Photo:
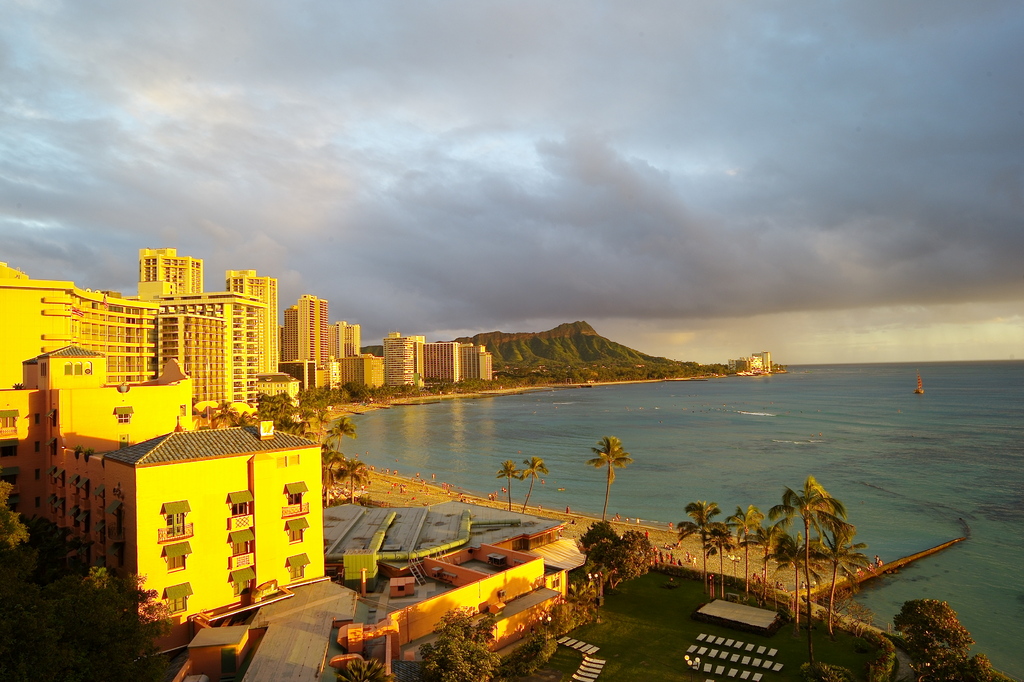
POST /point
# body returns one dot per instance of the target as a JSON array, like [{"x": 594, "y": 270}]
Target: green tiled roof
[
  {"x": 205, "y": 444},
  {"x": 72, "y": 352}
]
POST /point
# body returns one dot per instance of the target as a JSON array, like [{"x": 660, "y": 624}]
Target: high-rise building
[
  {"x": 40, "y": 316},
  {"x": 265, "y": 289},
  {"x": 403, "y": 359},
  {"x": 162, "y": 272},
  {"x": 476, "y": 362},
  {"x": 345, "y": 340},
  {"x": 242, "y": 341},
  {"x": 306, "y": 331},
  {"x": 199, "y": 343},
  {"x": 364, "y": 369},
  {"x": 766, "y": 360},
  {"x": 442, "y": 361}
]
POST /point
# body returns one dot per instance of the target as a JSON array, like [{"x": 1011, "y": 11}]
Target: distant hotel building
[
  {"x": 345, "y": 340},
  {"x": 475, "y": 362},
  {"x": 442, "y": 361},
  {"x": 162, "y": 272},
  {"x": 306, "y": 333},
  {"x": 40, "y": 316},
  {"x": 757, "y": 362},
  {"x": 265, "y": 289},
  {"x": 403, "y": 360}
]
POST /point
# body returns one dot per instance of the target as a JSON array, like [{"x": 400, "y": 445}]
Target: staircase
[{"x": 416, "y": 568}]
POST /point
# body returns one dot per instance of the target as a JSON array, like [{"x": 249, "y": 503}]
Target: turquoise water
[{"x": 913, "y": 470}]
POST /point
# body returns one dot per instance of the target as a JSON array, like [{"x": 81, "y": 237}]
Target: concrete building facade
[
  {"x": 306, "y": 334},
  {"x": 345, "y": 340},
  {"x": 442, "y": 361},
  {"x": 476, "y": 362},
  {"x": 403, "y": 359},
  {"x": 162, "y": 272},
  {"x": 265, "y": 289}
]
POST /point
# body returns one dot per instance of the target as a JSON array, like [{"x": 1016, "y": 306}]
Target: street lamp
[{"x": 693, "y": 664}]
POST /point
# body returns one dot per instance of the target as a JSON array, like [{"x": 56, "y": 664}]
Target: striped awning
[
  {"x": 297, "y": 524},
  {"x": 240, "y": 536},
  {"x": 240, "y": 497},
  {"x": 243, "y": 575},
  {"x": 296, "y": 488},
  {"x": 178, "y": 549}
]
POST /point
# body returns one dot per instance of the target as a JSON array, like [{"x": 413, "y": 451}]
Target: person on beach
[{"x": 567, "y": 509}]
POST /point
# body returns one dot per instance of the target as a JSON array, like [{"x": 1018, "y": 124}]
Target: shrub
[
  {"x": 534, "y": 652},
  {"x": 881, "y": 669},
  {"x": 823, "y": 672}
]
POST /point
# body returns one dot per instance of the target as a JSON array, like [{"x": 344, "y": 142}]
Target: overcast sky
[{"x": 831, "y": 181}]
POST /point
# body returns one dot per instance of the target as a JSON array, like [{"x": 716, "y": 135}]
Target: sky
[{"x": 835, "y": 181}]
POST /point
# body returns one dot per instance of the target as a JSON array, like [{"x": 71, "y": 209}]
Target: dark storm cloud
[{"x": 460, "y": 166}]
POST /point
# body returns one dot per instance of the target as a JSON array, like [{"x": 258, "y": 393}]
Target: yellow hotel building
[
  {"x": 213, "y": 519},
  {"x": 43, "y": 315}
]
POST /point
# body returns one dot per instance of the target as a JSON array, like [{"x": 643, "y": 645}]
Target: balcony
[
  {"x": 172, "y": 534},
  {"x": 240, "y": 522},
  {"x": 294, "y": 510},
  {"x": 240, "y": 561}
]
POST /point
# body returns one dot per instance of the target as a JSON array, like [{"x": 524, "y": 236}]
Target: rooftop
[{"x": 204, "y": 444}]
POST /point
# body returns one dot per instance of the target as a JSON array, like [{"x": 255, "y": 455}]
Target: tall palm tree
[
  {"x": 720, "y": 541},
  {"x": 609, "y": 454},
  {"x": 534, "y": 468},
  {"x": 768, "y": 537},
  {"x": 356, "y": 472},
  {"x": 786, "y": 555},
  {"x": 701, "y": 512},
  {"x": 331, "y": 463},
  {"x": 222, "y": 416},
  {"x": 342, "y": 427},
  {"x": 746, "y": 523},
  {"x": 839, "y": 550},
  {"x": 508, "y": 470},
  {"x": 818, "y": 510}
]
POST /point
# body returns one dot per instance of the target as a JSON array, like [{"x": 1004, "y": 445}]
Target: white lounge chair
[
  {"x": 691, "y": 648},
  {"x": 749, "y": 647},
  {"x": 563, "y": 640},
  {"x": 719, "y": 640},
  {"x": 701, "y": 637},
  {"x": 706, "y": 668},
  {"x": 745, "y": 674},
  {"x": 701, "y": 651},
  {"x": 713, "y": 653},
  {"x": 772, "y": 652},
  {"x": 590, "y": 649},
  {"x": 746, "y": 660},
  {"x": 757, "y": 677},
  {"x": 767, "y": 665},
  {"x": 734, "y": 658},
  {"x": 738, "y": 644},
  {"x": 732, "y": 672},
  {"x": 595, "y": 661},
  {"x": 583, "y": 678},
  {"x": 777, "y": 667},
  {"x": 719, "y": 670},
  {"x": 761, "y": 649},
  {"x": 729, "y": 642},
  {"x": 588, "y": 672},
  {"x": 756, "y": 663}
]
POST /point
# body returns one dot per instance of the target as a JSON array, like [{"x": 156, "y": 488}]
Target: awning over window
[
  {"x": 297, "y": 560},
  {"x": 113, "y": 506},
  {"x": 296, "y": 488},
  {"x": 52, "y": 441},
  {"x": 51, "y": 412},
  {"x": 178, "y": 591},
  {"x": 52, "y": 499},
  {"x": 179, "y": 549},
  {"x": 98, "y": 490},
  {"x": 51, "y": 470},
  {"x": 9, "y": 471},
  {"x": 59, "y": 471},
  {"x": 181, "y": 507},
  {"x": 82, "y": 482},
  {"x": 297, "y": 524},
  {"x": 8, "y": 443},
  {"x": 239, "y": 536},
  {"x": 117, "y": 548},
  {"x": 8, "y": 413},
  {"x": 74, "y": 479},
  {"x": 124, "y": 410},
  {"x": 74, "y": 510},
  {"x": 240, "y": 497},
  {"x": 83, "y": 515},
  {"x": 243, "y": 575},
  {"x": 100, "y": 525}
]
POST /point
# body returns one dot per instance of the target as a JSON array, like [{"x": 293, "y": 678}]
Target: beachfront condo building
[
  {"x": 162, "y": 272},
  {"x": 275, "y": 383},
  {"x": 403, "y": 359},
  {"x": 364, "y": 369},
  {"x": 442, "y": 361},
  {"x": 345, "y": 340},
  {"x": 40, "y": 316},
  {"x": 765, "y": 359},
  {"x": 265, "y": 289},
  {"x": 475, "y": 362},
  {"x": 240, "y": 342},
  {"x": 214, "y": 520},
  {"x": 306, "y": 334}
]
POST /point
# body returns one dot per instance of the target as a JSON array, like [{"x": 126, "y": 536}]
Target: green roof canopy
[
  {"x": 240, "y": 497},
  {"x": 242, "y": 535},
  {"x": 179, "y": 549},
  {"x": 74, "y": 479},
  {"x": 243, "y": 575},
  {"x": 74, "y": 510},
  {"x": 297, "y": 524},
  {"x": 82, "y": 482},
  {"x": 297, "y": 560},
  {"x": 52, "y": 469},
  {"x": 52, "y": 441},
  {"x": 8, "y": 442},
  {"x": 83, "y": 514},
  {"x": 98, "y": 490},
  {"x": 52, "y": 499},
  {"x": 113, "y": 506},
  {"x": 100, "y": 525},
  {"x": 9, "y": 471},
  {"x": 179, "y": 591},
  {"x": 8, "y": 413},
  {"x": 116, "y": 548},
  {"x": 181, "y": 507},
  {"x": 295, "y": 488},
  {"x": 124, "y": 410}
]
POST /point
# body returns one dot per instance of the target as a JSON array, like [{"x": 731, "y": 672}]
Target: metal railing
[
  {"x": 168, "y": 534},
  {"x": 295, "y": 509}
]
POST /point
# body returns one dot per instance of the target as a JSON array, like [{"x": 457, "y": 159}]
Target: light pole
[
  {"x": 600, "y": 592},
  {"x": 692, "y": 664}
]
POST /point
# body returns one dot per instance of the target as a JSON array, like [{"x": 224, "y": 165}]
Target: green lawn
[{"x": 645, "y": 630}]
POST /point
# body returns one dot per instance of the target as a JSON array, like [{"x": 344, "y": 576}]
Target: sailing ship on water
[{"x": 920, "y": 386}]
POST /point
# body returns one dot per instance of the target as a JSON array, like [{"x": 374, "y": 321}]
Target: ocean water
[{"x": 913, "y": 470}]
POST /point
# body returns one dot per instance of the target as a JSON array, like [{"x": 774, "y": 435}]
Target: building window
[
  {"x": 176, "y": 563},
  {"x": 296, "y": 528},
  {"x": 297, "y": 566},
  {"x": 124, "y": 419},
  {"x": 124, "y": 414},
  {"x": 123, "y": 441},
  {"x": 239, "y": 587},
  {"x": 9, "y": 448},
  {"x": 177, "y": 597},
  {"x": 297, "y": 572}
]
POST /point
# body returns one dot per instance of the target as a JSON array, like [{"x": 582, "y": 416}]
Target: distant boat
[{"x": 920, "y": 386}]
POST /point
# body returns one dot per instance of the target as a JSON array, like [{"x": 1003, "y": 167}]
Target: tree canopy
[
  {"x": 938, "y": 644},
  {"x": 460, "y": 653}
]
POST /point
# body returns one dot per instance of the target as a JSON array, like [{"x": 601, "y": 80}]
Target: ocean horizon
[{"x": 913, "y": 470}]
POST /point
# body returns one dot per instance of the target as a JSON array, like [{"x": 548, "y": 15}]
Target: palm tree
[
  {"x": 839, "y": 550},
  {"x": 534, "y": 468},
  {"x": 768, "y": 537},
  {"x": 508, "y": 470},
  {"x": 222, "y": 417},
  {"x": 609, "y": 454},
  {"x": 819, "y": 510},
  {"x": 331, "y": 463},
  {"x": 746, "y": 524},
  {"x": 786, "y": 555},
  {"x": 701, "y": 512},
  {"x": 342, "y": 426},
  {"x": 370, "y": 670},
  {"x": 356, "y": 472},
  {"x": 720, "y": 541}
]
